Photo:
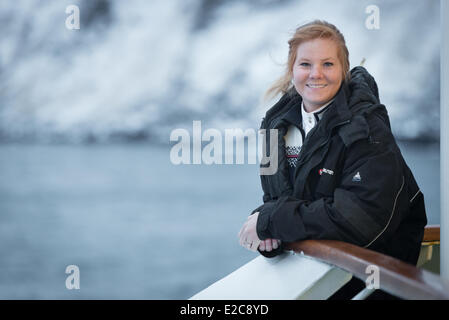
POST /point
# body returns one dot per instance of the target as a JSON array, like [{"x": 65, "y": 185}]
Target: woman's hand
[
  {"x": 269, "y": 244},
  {"x": 248, "y": 236}
]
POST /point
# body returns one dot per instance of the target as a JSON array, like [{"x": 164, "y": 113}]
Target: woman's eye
[
  {"x": 304, "y": 64},
  {"x": 328, "y": 64}
]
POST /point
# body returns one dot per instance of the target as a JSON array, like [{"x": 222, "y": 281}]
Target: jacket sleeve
[
  {"x": 365, "y": 206},
  {"x": 274, "y": 252}
]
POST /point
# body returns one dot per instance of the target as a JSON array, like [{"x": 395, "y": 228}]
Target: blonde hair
[{"x": 310, "y": 31}]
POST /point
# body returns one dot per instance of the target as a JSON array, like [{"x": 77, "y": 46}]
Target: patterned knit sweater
[{"x": 295, "y": 136}]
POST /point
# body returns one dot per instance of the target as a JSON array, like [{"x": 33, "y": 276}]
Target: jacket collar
[
  {"x": 293, "y": 115},
  {"x": 341, "y": 101}
]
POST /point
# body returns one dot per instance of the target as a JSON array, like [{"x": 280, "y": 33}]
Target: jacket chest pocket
[
  {"x": 321, "y": 181},
  {"x": 327, "y": 175}
]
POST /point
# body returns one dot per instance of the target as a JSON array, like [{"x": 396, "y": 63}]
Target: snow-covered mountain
[{"x": 138, "y": 69}]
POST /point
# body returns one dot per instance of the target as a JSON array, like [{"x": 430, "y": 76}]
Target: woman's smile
[{"x": 316, "y": 86}]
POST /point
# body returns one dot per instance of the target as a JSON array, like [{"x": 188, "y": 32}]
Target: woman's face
[{"x": 317, "y": 72}]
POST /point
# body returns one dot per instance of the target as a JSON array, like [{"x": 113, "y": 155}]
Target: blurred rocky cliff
[{"x": 135, "y": 70}]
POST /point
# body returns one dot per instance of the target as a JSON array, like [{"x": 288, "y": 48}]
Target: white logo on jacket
[
  {"x": 357, "y": 177},
  {"x": 324, "y": 170}
]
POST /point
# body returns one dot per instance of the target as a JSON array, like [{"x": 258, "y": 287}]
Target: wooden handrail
[
  {"x": 431, "y": 233},
  {"x": 396, "y": 277}
]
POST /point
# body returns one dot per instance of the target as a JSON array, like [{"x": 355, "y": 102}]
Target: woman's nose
[{"x": 315, "y": 72}]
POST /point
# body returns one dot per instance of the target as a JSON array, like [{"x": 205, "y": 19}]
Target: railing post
[{"x": 444, "y": 140}]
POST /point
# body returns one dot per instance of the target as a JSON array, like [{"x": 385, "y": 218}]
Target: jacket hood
[
  {"x": 362, "y": 88},
  {"x": 363, "y": 94}
]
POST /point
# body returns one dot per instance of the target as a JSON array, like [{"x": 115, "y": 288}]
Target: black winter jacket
[{"x": 367, "y": 196}]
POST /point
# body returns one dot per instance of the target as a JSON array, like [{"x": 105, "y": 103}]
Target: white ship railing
[{"x": 315, "y": 269}]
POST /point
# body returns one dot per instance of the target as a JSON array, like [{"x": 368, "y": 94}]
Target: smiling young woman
[{"x": 341, "y": 175}]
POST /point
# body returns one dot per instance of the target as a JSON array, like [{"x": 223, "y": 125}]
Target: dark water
[{"x": 137, "y": 226}]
